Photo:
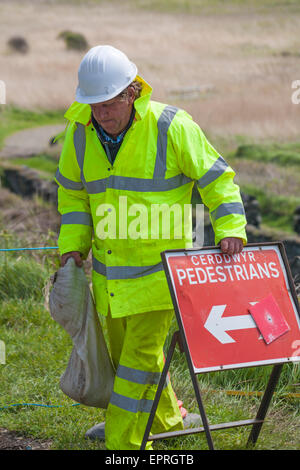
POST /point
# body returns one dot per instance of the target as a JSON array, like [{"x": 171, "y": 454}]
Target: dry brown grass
[
  {"x": 29, "y": 220},
  {"x": 249, "y": 60},
  {"x": 273, "y": 179}
]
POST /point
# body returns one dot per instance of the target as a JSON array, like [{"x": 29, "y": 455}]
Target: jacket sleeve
[
  {"x": 73, "y": 202},
  {"x": 214, "y": 179}
]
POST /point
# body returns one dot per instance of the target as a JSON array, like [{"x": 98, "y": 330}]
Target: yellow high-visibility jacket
[{"x": 118, "y": 209}]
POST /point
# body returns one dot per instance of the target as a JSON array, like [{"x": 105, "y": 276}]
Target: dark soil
[{"x": 12, "y": 440}]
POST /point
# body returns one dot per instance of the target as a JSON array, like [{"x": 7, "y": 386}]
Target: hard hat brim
[{"x": 107, "y": 96}]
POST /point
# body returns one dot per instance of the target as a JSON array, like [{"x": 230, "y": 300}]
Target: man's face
[{"x": 113, "y": 115}]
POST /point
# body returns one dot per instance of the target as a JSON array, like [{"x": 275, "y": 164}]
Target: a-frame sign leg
[
  {"x": 201, "y": 409},
  {"x": 176, "y": 339},
  {"x": 256, "y": 423},
  {"x": 266, "y": 400}
]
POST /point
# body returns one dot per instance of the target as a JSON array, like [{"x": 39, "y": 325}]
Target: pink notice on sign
[{"x": 269, "y": 319}]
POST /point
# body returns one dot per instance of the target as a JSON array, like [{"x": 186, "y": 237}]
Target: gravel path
[{"x": 29, "y": 142}]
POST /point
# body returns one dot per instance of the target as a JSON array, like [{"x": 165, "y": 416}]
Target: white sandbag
[{"x": 89, "y": 376}]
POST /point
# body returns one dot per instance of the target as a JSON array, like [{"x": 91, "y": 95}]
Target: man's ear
[{"x": 131, "y": 95}]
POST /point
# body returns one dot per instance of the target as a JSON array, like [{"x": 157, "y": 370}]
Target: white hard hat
[{"x": 103, "y": 73}]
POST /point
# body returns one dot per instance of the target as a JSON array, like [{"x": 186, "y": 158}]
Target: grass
[
  {"x": 246, "y": 379},
  {"x": 13, "y": 119},
  {"x": 253, "y": 97},
  {"x": 212, "y": 6},
  {"x": 37, "y": 351},
  {"x": 277, "y": 211},
  {"x": 280, "y": 154},
  {"x": 37, "y": 348},
  {"x": 44, "y": 163},
  {"x": 30, "y": 279},
  {"x": 195, "y": 6},
  {"x": 270, "y": 172}
]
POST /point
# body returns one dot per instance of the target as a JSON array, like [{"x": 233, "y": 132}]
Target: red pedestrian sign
[
  {"x": 232, "y": 311},
  {"x": 235, "y": 311}
]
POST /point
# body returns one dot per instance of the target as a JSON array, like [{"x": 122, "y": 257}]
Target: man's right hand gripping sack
[{"x": 89, "y": 376}]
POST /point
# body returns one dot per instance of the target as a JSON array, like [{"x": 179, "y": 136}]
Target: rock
[
  {"x": 252, "y": 209},
  {"x": 295, "y": 269},
  {"x": 27, "y": 183},
  {"x": 295, "y": 266},
  {"x": 296, "y": 219}
]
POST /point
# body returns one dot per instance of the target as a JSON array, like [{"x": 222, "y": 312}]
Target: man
[{"x": 124, "y": 157}]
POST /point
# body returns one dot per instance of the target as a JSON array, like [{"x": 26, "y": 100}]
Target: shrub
[
  {"x": 18, "y": 44},
  {"x": 74, "y": 40}
]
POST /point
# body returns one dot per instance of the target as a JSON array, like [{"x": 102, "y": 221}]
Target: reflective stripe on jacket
[{"x": 132, "y": 211}]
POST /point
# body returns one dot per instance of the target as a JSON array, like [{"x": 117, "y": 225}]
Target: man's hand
[
  {"x": 72, "y": 254},
  {"x": 231, "y": 245}
]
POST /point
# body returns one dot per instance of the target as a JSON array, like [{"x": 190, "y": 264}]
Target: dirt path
[
  {"x": 11, "y": 440},
  {"x": 29, "y": 142}
]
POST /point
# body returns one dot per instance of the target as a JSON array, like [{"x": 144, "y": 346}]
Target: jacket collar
[
  {"x": 81, "y": 113},
  {"x": 141, "y": 104}
]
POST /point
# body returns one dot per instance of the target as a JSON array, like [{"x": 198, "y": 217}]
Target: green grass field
[
  {"x": 37, "y": 348},
  {"x": 37, "y": 352}
]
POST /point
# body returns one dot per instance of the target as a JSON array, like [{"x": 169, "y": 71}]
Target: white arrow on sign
[{"x": 218, "y": 325}]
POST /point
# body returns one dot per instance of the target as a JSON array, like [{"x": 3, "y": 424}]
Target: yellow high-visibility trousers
[{"x": 136, "y": 344}]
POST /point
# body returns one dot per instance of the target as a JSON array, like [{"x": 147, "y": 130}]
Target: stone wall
[{"x": 27, "y": 182}]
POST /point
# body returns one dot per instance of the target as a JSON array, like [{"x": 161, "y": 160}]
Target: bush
[
  {"x": 18, "y": 44},
  {"x": 74, "y": 40}
]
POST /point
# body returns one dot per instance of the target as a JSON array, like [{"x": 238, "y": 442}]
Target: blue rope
[
  {"x": 33, "y": 404},
  {"x": 37, "y": 248},
  {"x": 36, "y": 404}
]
